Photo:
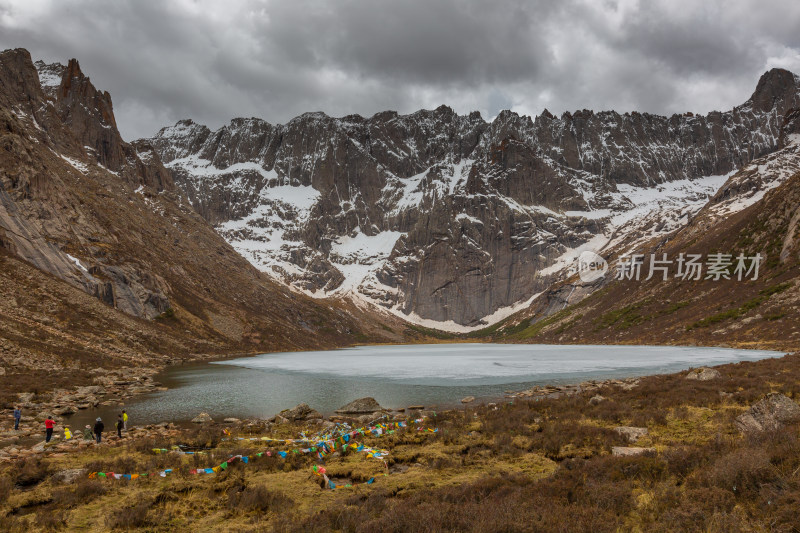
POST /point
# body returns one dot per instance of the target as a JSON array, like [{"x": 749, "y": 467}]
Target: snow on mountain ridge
[
  {"x": 49, "y": 75},
  {"x": 538, "y": 188}
]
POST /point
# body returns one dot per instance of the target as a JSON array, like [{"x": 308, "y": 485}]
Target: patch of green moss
[
  {"x": 623, "y": 318},
  {"x": 675, "y": 306},
  {"x": 168, "y": 314},
  {"x": 533, "y": 330},
  {"x": 428, "y": 332},
  {"x": 749, "y": 305}
]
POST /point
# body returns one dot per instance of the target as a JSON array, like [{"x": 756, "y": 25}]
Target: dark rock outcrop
[
  {"x": 300, "y": 412},
  {"x": 768, "y": 414}
]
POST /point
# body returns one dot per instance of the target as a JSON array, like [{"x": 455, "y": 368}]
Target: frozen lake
[{"x": 398, "y": 376}]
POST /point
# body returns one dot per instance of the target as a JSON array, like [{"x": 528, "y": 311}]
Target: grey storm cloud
[{"x": 212, "y": 61}]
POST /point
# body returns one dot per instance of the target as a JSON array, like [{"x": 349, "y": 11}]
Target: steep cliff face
[
  {"x": 54, "y": 134},
  {"x": 85, "y": 207},
  {"x": 753, "y": 220},
  {"x": 449, "y": 218},
  {"x": 757, "y": 213}
]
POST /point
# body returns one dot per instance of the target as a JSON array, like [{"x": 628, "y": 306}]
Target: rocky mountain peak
[
  {"x": 77, "y": 89},
  {"x": 384, "y": 116},
  {"x": 777, "y": 88},
  {"x": 20, "y": 75},
  {"x": 64, "y": 152}
]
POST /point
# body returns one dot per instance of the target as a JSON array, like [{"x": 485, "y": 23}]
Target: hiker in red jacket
[{"x": 49, "y": 424}]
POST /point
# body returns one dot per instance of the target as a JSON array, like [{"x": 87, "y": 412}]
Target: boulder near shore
[
  {"x": 202, "y": 418},
  {"x": 703, "y": 374},
  {"x": 301, "y": 411},
  {"x": 361, "y": 406}
]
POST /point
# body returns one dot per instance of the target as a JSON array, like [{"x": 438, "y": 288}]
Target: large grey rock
[
  {"x": 631, "y": 433},
  {"x": 68, "y": 476},
  {"x": 26, "y": 397},
  {"x": 202, "y": 418},
  {"x": 624, "y": 451},
  {"x": 90, "y": 390},
  {"x": 300, "y": 412},
  {"x": 703, "y": 374},
  {"x": 361, "y": 406},
  {"x": 768, "y": 414},
  {"x": 597, "y": 399}
]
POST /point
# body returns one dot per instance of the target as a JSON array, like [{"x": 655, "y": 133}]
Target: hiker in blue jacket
[{"x": 17, "y": 416}]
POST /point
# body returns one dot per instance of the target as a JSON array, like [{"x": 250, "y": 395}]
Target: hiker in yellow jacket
[
  {"x": 67, "y": 433},
  {"x": 124, "y": 420}
]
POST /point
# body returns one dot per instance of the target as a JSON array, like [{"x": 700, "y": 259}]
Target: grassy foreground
[{"x": 523, "y": 466}]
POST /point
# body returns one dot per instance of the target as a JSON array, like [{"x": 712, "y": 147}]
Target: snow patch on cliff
[
  {"x": 77, "y": 165},
  {"x": 203, "y": 168},
  {"x": 660, "y": 209},
  {"x": 359, "y": 256},
  {"x": 267, "y": 236},
  {"x": 49, "y": 75},
  {"x": 755, "y": 180},
  {"x": 77, "y": 263},
  {"x": 451, "y": 326}
]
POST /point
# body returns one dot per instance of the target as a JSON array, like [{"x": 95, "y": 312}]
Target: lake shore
[
  {"x": 437, "y": 376},
  {"x": 117, "y": 389},
  {"x": 674, "y": 436}
]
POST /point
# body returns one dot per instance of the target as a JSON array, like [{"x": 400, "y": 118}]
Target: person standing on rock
[
  {"x": 120, "y": 425},
  {"x": 124, "y": 420},
  {"x": 49, "y": 424},
  {"x": 87, "y": 433},
  {"x": 67, "y": 433},
  {"x": 17, "y": 417},
  {"x": 98, "y": 429}
]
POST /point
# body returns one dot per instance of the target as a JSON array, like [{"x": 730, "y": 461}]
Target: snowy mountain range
[{"x": 455, "y": 222}]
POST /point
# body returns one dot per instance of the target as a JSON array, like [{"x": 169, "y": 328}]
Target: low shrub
[
  {"x": 83, "y": 491},
  {"x": 130, "y": 517},
  {"x": 30, "y": 472},
  {"x": 258, "y": 498},
  {"x": 742, "y": 471}
]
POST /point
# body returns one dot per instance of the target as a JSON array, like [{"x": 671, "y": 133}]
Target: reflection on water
[{"x": 396, "y": 376}]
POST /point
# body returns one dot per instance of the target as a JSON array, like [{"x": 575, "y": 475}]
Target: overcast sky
[{"x": 212, "y": 61}]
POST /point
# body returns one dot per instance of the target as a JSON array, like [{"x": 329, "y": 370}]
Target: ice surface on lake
[
  {"x": 455, "y": 364},
  {"x": 396, "y": 376}
]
